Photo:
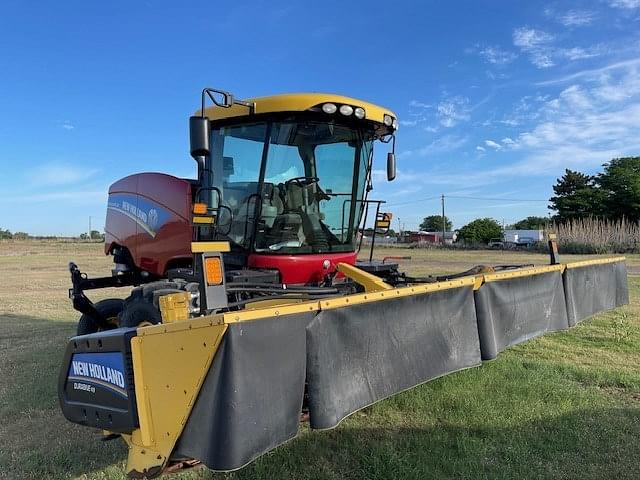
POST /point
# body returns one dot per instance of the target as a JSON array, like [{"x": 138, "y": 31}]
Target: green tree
[
  {"x": 576, "y": 196},
  {"x": 530, "y": 223},
  {"x": 5, "y": 234},
  {"x": 620, "y": 186},
  {"x": 96, "y": 235},
  {"x": 480, "y": 230},
  {"x": 433, "y": 223},
  {"x": 20, "y": 236}
]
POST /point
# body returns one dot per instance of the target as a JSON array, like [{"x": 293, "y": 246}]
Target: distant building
[
  {"x": 517, "y": 236},
  {"x": 428, "y": 237}
]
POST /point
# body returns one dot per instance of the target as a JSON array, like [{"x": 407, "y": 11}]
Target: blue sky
[{"x": 494, "y": 98}]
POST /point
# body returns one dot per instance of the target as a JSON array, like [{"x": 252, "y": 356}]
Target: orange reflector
[
  {"x": 213, "y": 270},
  {"x": 200, "y": 208}
]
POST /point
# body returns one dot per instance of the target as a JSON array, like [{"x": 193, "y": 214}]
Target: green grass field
[{"x": 566, "y": 405}]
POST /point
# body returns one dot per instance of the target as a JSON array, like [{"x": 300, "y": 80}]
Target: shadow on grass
[
  {"x": 586, "y": 444},
  {"x": 36, "y": 441}
]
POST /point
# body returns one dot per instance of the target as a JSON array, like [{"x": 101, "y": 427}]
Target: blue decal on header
[
  {"x": 149, "y": 215},
  {"x": 104, "y": 370}
]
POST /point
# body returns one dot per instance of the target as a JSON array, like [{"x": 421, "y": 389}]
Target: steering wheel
[{"x": 303, "y": 181}]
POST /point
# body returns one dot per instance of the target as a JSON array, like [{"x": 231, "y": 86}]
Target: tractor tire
[
  {"x": 138, "y": 311},
  {"x": 110, "y": 308}
]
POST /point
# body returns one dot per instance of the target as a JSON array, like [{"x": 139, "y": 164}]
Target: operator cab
[{"x": 288, "y": 174}]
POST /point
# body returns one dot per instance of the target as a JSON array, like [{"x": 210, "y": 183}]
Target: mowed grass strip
[{"x": 566, "y": 405}]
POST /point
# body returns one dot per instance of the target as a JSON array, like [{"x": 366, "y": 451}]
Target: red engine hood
[{"x": 301, "y": 269}]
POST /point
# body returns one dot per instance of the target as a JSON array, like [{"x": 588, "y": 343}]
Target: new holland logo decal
[
  {"x": 147, "y": 214},
  {"x": 103, "y": 370}
]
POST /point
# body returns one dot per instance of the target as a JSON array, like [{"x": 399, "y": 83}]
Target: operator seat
[{"x": 303, "y": 200}]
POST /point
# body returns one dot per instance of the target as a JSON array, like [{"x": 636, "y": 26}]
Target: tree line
[
  {"x": 611, "y": 195},
  {"x": 6, "y": 234}
]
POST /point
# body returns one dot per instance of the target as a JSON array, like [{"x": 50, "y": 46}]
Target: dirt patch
[{"x": 623, "y": 394}]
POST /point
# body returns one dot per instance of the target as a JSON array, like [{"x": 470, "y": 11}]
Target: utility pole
[
  {"x": 89, "y": 233},
  {"x": 444, "y": 226}
]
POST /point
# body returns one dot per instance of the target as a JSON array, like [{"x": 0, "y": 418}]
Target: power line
[
  {"x": 412, "y": 201},
  {"x": 463, "y": 197},
  {"x": 499, "y": 199}
]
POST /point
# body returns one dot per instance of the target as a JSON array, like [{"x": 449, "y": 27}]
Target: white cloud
[
  {"x": 508, "y": 142},
  {"x": 577, "y": 18},
  {"x": 453, "y": 110},
  {"x": 530, "y": 38},
  {"x": 497, "y": 56},
  {"x": 67, "y": 125},
  {"x": 419, "y": 104},
  {"x": 574, "y": 98},
  {"x": 81, "y": 196},
  {"x": 577, "y": 53},
  {"x": 61, "y": 174},
  {"x": 536, "y": 43},
  {"x": 492, "y": 144},
  {"x": 625, "y": 4},
  {"x": 480, "y": 149},
  {"x": 592, "y": 72},
  {"x": 443, "y": 144},
  {"x": 524, "y": 110},
  {"x": 408, "y": 123},
  {"x": 583, "y": 127}
]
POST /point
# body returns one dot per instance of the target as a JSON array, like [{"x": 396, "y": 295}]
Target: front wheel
[
  {"x": 139, "y": 310},
  {"x": 109, "y": 308}
]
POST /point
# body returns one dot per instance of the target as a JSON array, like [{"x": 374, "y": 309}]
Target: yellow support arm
[{"x": 370, "y": 282}]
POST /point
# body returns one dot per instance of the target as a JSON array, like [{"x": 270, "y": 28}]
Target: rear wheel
[{"x": 109, "y": 308}]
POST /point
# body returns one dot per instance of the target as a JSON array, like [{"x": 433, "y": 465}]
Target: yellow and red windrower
[{"x": 225, "y": 389}]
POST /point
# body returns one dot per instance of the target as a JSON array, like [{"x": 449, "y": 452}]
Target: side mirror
[
  {"x": 199, "y": 136},
  {"x": 391, "y": 166}
]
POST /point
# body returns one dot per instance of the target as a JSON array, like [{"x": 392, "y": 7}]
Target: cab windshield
[{"x": 291, "y": 186}]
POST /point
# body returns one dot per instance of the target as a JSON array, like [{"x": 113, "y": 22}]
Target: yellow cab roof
[{"x": 295, "y": 102}]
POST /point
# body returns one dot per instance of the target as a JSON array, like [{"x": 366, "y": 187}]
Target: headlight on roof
[
  {"x": 359, "y": 113},
  {"x": 329, "y": 108},
  {"x": 346, "y": 110},
  {"x": 387, "y": 120}
]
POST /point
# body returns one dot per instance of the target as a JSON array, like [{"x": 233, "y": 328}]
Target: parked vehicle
[
  {"x": 525, "y": 242},
  {"x": 496, "y": 243}
]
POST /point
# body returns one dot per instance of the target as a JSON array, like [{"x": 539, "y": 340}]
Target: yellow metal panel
[
  {"x": 204, "y": 247},
  {"x": 296, "y": 102},
  {"x": 371, "y": 283},
  {"x": 192, "y": 324},
  {"x": 204, "y": 220},
  {"x": 339, "y": 302},
  {"x": 260, "y": 304},
  {"x": 597, "y": 261},
  {"x": 525, "y": 272},
  {"x": 284, "y": 309},
  {"x": 168, "y": 372}
]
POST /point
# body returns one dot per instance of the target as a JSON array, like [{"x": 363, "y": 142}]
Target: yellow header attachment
[{"x": 301, "y": 102}]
